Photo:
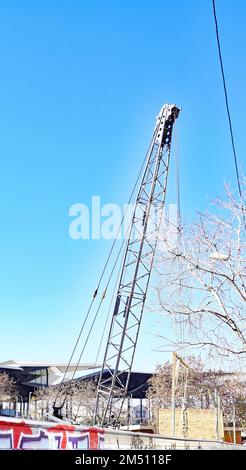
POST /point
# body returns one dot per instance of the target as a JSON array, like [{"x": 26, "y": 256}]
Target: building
[{"x": 29, "y": 376}]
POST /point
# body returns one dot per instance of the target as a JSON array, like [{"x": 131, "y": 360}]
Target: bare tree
[
  {"x": 7, "y": 388},
  {"x": 202, "y": 387},
  {"x": 82, "y": 399},
  {"x": 42, "y": 400},
  {"x": 201, "y": 281},
  {"x": 78, "y": 399}
]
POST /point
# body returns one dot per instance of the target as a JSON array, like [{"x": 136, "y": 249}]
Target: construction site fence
[{"x": 22, "y": 434}]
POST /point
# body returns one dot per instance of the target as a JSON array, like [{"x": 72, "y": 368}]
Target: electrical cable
[
  {"x": 227, "y": 101},
  {"x": 177, "y": 184},
  {"x": 183, "y": 424}
]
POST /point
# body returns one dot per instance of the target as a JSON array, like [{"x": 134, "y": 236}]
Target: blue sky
[{"x": 80, "y": 85}]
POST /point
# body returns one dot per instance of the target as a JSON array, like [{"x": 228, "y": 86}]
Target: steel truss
[{"x": 135, "y": 275}]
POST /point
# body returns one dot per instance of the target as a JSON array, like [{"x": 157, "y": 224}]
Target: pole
[
  {"x": 141, "y": 410},
  {"x": 218, "y": 414},
  {"x": 128, "y": 412},
  {"x": 35, "y": 407},
  {"x": 29, "y": 404},
  {"x": 21, "y": 404},
  {"x": 177, "y": 360},
  {"x": 234, "y": 423},
  {"x": 173, "y": 394}
]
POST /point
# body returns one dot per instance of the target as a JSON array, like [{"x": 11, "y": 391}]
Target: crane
[{"x": 135, "y": 274}]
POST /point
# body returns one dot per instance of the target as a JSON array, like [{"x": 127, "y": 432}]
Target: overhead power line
[{"x": 226, "y": 99}]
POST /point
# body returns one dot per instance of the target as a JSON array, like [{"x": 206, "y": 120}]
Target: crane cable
[
  {"x": 104, "y": 328},
  {"x": 110, "y": 307},
  {"x": 104, "y": 293},
  {"x": 100, "y": 304},
  {"x": 227, "y": 103},
  {"x": 98, "y": 308},
  {"x": 97, "y": 312},
  {"x": 93, "y": 322},
  {"x": 101, "y": 276}
]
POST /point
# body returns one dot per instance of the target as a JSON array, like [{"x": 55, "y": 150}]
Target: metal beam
[{"x": 135, "y": 275}]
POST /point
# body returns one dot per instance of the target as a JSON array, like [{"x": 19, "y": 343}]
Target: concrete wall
[{"x": 202, "y": 424}]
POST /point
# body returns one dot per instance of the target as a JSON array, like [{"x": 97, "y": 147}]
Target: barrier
[
  {"x": 23, "y": 434},
  {"x": 40, "y": 435}
]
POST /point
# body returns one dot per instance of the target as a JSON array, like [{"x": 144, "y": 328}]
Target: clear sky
[{"x": 80, "y": 85}]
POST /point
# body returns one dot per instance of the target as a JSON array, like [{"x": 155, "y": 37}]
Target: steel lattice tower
[{"x": 135, "y": 275}]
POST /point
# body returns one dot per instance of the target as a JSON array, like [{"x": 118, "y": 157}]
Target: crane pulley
[{"x": 135, "y": 275}]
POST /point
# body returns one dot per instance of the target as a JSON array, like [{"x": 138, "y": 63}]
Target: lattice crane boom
[{"x": 135, "y": 274}]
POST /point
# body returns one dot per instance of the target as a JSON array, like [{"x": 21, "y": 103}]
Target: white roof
[{"x": 61, "y": 366}]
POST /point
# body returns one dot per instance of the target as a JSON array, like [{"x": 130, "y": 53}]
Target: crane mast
[{"x": 135, "y": 275}]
